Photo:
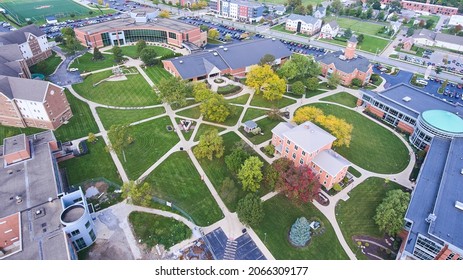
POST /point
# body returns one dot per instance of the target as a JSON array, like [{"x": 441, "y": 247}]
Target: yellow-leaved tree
[
  {"x": 266, "y": 82},
  {"x": 307, "y": 113}
]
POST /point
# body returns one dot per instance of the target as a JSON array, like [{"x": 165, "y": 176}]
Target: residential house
[
  {"x": 455, "y": 20},
  {"x": 308, "y": 144},
  {"x": 280, "y": 10},
  {"x": 347, "y": 65},
  {"x": 427, "y": 38},
  {"x": 303, "y": 24},
  {"x": 320, "y": 12},
  {"x": 329, "y": 30}
]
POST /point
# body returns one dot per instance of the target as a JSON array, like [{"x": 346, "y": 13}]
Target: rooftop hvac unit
[
  {"x": 406, "y": 98},
  {"x": 225, "y": 49},
  {"x": 458, "y": 205},
  {"x": 181, "y": 61},
  {"x": 215, "y": 53}
]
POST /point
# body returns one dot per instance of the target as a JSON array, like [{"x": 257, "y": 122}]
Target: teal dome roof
[{"x": 444, "y": 120}]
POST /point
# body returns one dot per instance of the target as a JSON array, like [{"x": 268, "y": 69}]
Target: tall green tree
[
  {"x": 210, "y": 145},
  {"x": 348, "y": 33},
  {"x": 299, "y": 234},
  {"x": 360, "y": 38},
  {"x": 97, "y": 55},
  {"x": 334, "y": 80},
  {"x": 120, "y": 138},
  {"x": 390, "y": 213},
  {"x": 201, "y": 92},
  {"x": 174, "y": 90},
  {"x": 298, "y": 88},
  {"x": 141, "y": 45},
  {"x": 140, "y": 194},
  {"x": 213, "y": 33},
  {"x": 117, "y": 54},
  {"x": 235, "y": 159},
  {"x": 267, "y": 59},
  {"x": 312, "y": 84},
  {"x": 250, "y": 174},
  {"x": 250, "y": 210},
  {"x": 149, "y": 56},
  {"x": 336, "y": 6},
  {"x": 215, "y": 108}
]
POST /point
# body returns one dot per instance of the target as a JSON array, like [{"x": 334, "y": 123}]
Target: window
[
  {"x": 294, "y": 155},
  {"x": 288, "y": 142},
  {"x": 321, "y": 171},
  {"x": 172, "y": 35},
  {"x": 303, "y": 153},
  {"x": 80, "y": 243},
  {"x": 326, "y": 176},
  {"x": 75, "y": 232},
  {"x": 313, "y": 165},
  {"x": 324, "y": 182},
  {"x": 451, "y": 255},
  {"x": 296, "y": 147},
  {"x": 287, "y": 150},
  {"x": 301, "y": 161},
  {"x": 92, "y": 235},
  {"x": 87, "y": 224}
]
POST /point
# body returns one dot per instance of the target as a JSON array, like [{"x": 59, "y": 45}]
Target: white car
[
  {"x": 73, "y": 69},
  {"x": 422, "y": 82}
]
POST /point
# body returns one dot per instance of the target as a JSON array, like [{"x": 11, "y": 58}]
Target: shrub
[
  {"x": 337, "y": 187},
  {"x": 356, "y": 82},
  {"x": 228, "y": 89},
  {"x": 300, "y": 232}
]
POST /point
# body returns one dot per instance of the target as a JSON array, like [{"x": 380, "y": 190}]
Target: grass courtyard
[
  {"x": 152, "y": 141},
  {"x": 177, "y": 180},
  {"x": 97, "y": 163},
  {"x": 156, "y": 73},
  {"x": 240, "y": 99},
  {"x": 259, "y": 101},
  {"x": 343, "y": 98},
  {"x": 131, "y": 51},
  {"x": 111, "y": 117},
  {"x": 357, "y": 26},
  {"x": 203, "y": 128},
  {"x": 47, "y": 66},
  {"x": 85, "y": 63},
  {"x": 280, "y": 214},
  {"x": 134, "y": 91},
  {"x": 266, "y": 126},
  {"x": 372, "y": 147},
  {"x": 152, "y": 229},
  {"x": 355, "y": 216},
  {"x": 370, "y": 44},
  {"x": 252, "y": 113}
]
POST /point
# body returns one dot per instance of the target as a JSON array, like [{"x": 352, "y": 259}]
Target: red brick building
[
  {"x": 347, "y": 65},
  {"x": 309, "y": 144},
  {"x": 425, "y": 7},
  {"x": 128, "y": 30}
]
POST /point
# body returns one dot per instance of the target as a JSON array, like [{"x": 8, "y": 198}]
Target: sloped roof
[
  {"x": 425, "y": 34},
  {"x": 281, "y": 128},
  {"x": 234, "y": 56},
  {"x": 306, "y": 19},
  {"x": 309, "y": 136},
  {"x": 20, "y": 36},
  {"x": 346, "y": 66},
  {"x": 331, "y": 162},
  {"x": 250, "y": 124},
  {"x": 9, "y": 60},
  {"x": 453, "y": 39},
  {"x": 33, "y": 90},
  {"x": 333, "y": 24}
]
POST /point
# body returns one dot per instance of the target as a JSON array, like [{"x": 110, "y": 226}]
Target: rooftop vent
[
  {"x": 407, "y": 98},
  {"x": 225, "y": 49},
  {"x": 220, "y": 47},
  {"x": 215, "y": 54},
  {"x": 19, "y": 199},
  {"x": 458, "y": 205},
  {"x": 273, "y": 39},
  {"x": 342, "y": 57},
  {"x": 181, "y": 61},
  {"x": 431, "y": 218}
]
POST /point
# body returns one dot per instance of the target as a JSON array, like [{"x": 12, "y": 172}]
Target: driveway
[{"x": 62, "y": 76}]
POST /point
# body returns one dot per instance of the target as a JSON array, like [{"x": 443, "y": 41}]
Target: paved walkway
[{"x": 230, "y": 223}]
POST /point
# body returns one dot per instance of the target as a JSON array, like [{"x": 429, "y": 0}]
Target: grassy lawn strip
[
  {"x": 134, "y": 91},
  {"x": 252, "y": 113},
  {"x": 9, "y": 131},
  {"x": 97, "y": 163},
  {"x": 240, "y": 99},
  {"x": 281, "y": 28},
  {"x": 80, "y": 124},
  {"x": 354, "y": 172},
  {"x": 280, "y": 214},
  {"x": 156, "y": 73},
  {"x": 86, "y": 63},
  {"x": 217, "y": 171},
  {"x": 47, "y": 66},
  {"x": 266, "y": 125},
  {"x": 343, "y": 98},
  {"x": 177, "y": 180},
  {"x": 228, "y": 89},
  {"x": 132, "y": 50},
  {"x": 111, "y": 117},
  {"x": 233, "y": 119},
  {"x": 152, "y": 141},
  {"x": 153, "y": 229},
  {"x": 259, "y": 101},
  {"x": 355, "y": 216},
  {"x": 203, "y": 128},
  {"x": 313, "y": 93},
  {"x": 192, "y": 113},
  {"x": 372, "y": 147},
  {"x": 370, "y": 44},
  {"x": 359, "y": 26}
]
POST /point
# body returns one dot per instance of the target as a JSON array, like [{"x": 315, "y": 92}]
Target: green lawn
[
  {"x": 97, "y": 163},
  {"x": 205, "y": 127},
  {"x": 356, "y": 25},
  {"x": 132, "y": 51},
  {"x": 372, "y": 147},
  {"x": 233, "y": 119},
  {"x": 281, "y": 28},
  {"x": 370, "y": 44},
  {"x": 81, "y": 123},
  {"x": 134, "y": 91},
  {"x": 343, "y": 98},
  {"x": 156, "y": 73},
  {"x": 266, "y": 125},
  {"x": 355, "y": 216},
  {"x": 217, "y": 171},
  {"x": 259, "y": 101},
  {"x": 152, "y": 141},
  {"x": 240, "y": 99},
  {"x": 153, "y": 229},
  {"x": 86, "y": 63},
  {"x": 111, "y": 117},
  {"x": 214, "y": 41},
  {"x": 252, "y": 113},
  {"x": 354, "y": 172},
  {"x": 9, "y": 131},
  {"x": 47, "y": 66},
  {"x": 192, "y": 113},
  {"x": 177, "y": 180},
  {"x": 313, "y": 93},
  {"x": 280, "y": 214}
]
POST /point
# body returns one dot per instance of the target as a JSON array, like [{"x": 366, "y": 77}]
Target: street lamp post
[{"x": 265, "y": 237}]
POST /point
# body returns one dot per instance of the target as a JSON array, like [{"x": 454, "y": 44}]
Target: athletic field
[{"x": 36, "y": 10}]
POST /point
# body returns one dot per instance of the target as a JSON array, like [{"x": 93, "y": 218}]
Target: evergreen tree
[{"x": 300, "y": 232}]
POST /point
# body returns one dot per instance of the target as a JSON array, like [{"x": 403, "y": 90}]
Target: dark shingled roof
[
  {"x": 306, "y": 19},
  {"x": 353, "y": 39},
  {"x": 235, "y": 56},
  {"x": 20, "y": 36},
  {"x": 9, "y": 60},
  {"x": 420, "y": 101},
  {"x": 346, "y": 66},
  {"x": 33, "y": 90}
]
